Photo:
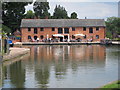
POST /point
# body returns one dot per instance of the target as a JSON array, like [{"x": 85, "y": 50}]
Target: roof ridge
[
  {"x": 62, "y": 22},
  {"x": 62, "y": 19}
]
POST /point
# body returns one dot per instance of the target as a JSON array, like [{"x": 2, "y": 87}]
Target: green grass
[{"x": 115, "y": 84}]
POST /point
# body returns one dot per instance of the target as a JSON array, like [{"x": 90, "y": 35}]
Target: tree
[
  {"x": 113, "y": 27},
  {"x": 30, "y": 15},
  {"x": 12, "y": 13},
  {"x": 41, "y": 9},
  {"x": 6, "y": 29},
  {"x": 73, "y": 15},
  {"x": 60, "y": 13}
]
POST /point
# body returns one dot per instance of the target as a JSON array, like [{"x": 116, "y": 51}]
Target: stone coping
[{"x": 15, "y": 52}]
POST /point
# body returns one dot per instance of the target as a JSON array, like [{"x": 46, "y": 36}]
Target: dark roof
[
  {"x": 17, "y": 32},
  {"x": 62, "y": 22}
]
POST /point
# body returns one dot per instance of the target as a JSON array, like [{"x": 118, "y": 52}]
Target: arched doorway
[
  {"x": 35, "y": 37},
  {"x": 41, "y": 37}
]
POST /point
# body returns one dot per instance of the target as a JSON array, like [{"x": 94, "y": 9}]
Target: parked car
[{"x": 11, "y": 44}]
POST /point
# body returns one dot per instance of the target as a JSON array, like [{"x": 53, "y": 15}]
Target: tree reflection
[
  {"x": 60, "y": 69},
  {"x": 0, "y": 74},
  {"x": 17, "y": 74},
  {"x": 41, "y": 69},
  {"x": 61, "y": 62},
  {"x": 42, "y": 75}
]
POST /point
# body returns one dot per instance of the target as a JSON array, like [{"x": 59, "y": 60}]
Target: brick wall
[{"x": 78, "y": 30}]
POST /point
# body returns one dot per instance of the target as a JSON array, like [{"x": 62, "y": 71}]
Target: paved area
[
  {"x": 62, "y": 43},
  {"x": 15, "y": 52},
  {"x": 58, "y": 43},
  {"x": 116, "y": 42}
]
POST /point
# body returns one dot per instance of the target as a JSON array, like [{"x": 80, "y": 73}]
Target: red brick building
[{"x": 62, "y": 29}]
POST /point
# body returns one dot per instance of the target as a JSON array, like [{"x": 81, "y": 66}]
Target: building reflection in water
[
  {"x": 58, "y": 59},
  {"x": 64, "y": 57}
]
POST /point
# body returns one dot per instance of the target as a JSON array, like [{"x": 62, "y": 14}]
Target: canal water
[{"x": 63, "y": 66}]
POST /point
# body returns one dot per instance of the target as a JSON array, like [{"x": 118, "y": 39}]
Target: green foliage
[
  {"x": 113, "y": 27},
  {"x": 29, "y": 15},
  {"x": 60, "y": 13},
  {"x": 41, "y": 9},
  {"x": 6, "y": 29},
  {"x": 73, "y": 15},
  {"x": 12, "y": 14},
  {"x": 115, "y": 84},
  {"x": 108, "y": 34}
]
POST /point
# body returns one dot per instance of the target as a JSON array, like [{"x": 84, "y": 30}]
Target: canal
[{"x": 63, "y": 66}]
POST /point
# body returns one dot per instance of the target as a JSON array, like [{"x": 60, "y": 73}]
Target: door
[
  {"x": 35, "y": 37},
  {"x": 66, "y": 37},
  {"x": 61, "y": 39}
]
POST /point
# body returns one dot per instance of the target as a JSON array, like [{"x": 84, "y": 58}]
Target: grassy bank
[{"x": 115, "y": 84}]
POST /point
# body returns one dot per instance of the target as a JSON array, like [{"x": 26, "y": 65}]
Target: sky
[{"x": 92, "y": 9}]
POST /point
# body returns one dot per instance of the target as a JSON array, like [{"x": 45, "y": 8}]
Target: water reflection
[
  {"x": 47, "y": 63},
  {"x": 42, "y": 73},
  {"x": 0, "y": 74},
  {"x": 16, "y": 74}
]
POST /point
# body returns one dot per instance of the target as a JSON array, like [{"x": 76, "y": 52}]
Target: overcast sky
[{"x": 92, "y": 9}]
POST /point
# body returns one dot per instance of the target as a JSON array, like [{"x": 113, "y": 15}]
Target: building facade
[
  {"x": 16, "y": 37},
  {"x": 62, "y": 29}
]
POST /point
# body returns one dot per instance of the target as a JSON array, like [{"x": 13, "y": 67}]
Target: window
[
  {"x": 85, "y": 37},
  {"x": 90, "y": 30},
  {"x": 18, "y": 38},
  {"x": 97, "y": 36},
  {"x": 41, "y": 37},
  {"x": 66, "y": 30},
  {"x": 84, "y": 28},
  {"x": 41, "y": 29},
  {"x": 35, "y": 37},
  {"x": 60, "y": 30},
  {"x": 73, "y": 37},
  {"x": 73, "y": 28},
  {"x": 35, "y": 30},
  {"x": 29, "y": 29},
  {"x": 97, "y": 28},
  {"x": 53, "y": 29},
  {"x": 29, "y": 37}
]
